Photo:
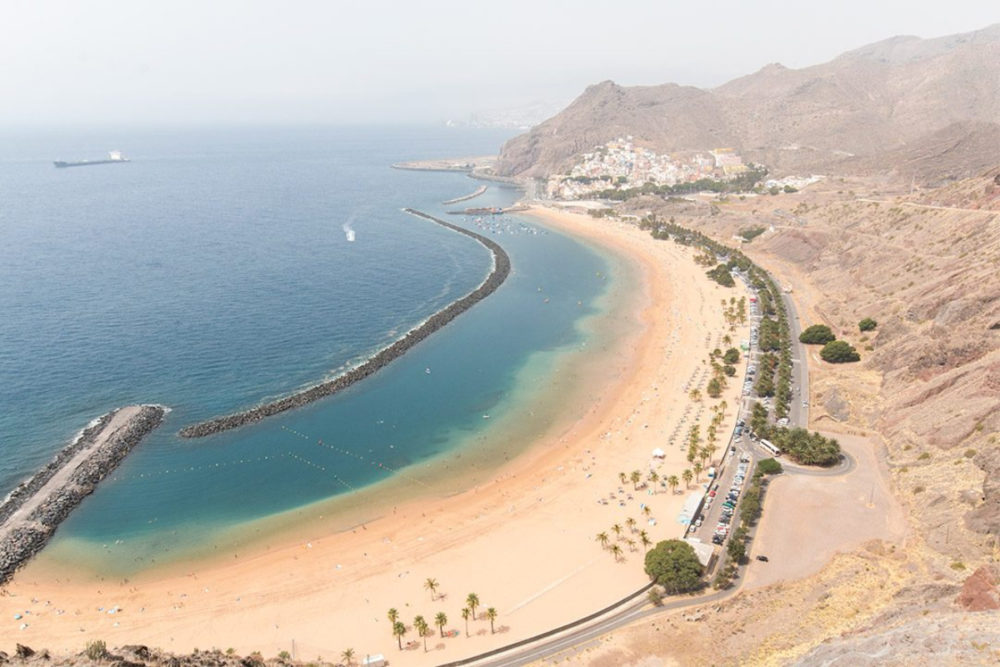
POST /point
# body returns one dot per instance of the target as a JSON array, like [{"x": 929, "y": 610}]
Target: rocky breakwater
[
  {"x": 501, "y": 269},
  {"x": 32, "y": 512}
]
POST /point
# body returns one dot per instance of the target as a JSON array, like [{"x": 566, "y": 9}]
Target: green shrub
[
  {"x": 769, "y": 467},
  {"x": 867, "y": 324},
  {"x": 96, "y": 649},
  {"x": 839, "y": 352},
  {"x": 817, "y": 334}
]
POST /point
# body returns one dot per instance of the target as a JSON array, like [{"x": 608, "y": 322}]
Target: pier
[
  {"x": 501, "y": 269},
  {"x": 32, "y": 512}
]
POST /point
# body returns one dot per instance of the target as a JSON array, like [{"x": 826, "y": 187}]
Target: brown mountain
[{"x": 891, "y": 99}]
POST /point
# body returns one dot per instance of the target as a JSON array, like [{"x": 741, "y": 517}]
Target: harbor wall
[
  {"x": 501, "y": 269},
  {"x": 20, "y": 539}
]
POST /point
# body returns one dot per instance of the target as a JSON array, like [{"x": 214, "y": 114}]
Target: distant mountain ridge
[{"x": 892, "y": 99}]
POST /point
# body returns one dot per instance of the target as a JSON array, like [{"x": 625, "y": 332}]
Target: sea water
[{"x": 223, "y": 268}]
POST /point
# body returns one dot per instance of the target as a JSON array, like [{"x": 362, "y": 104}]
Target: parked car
[{"x": 762, "y": 558}]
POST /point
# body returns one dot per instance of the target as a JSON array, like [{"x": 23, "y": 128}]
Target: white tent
[{"x": 659, "y": 453}]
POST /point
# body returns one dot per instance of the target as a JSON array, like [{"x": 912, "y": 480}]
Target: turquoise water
[{"x": 214, "y": 272}]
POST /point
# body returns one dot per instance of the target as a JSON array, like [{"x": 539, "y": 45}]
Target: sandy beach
[{"x": 524, "y": 542}]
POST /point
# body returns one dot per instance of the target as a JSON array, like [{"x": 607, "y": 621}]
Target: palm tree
[
  {"x": 473, "y": 601},
  {"x": 616, "y": 551},
  {"x": 399, "y": 631},
  {"x": 393, "y": 617},
  {"x": 653, "y": 479},
  {"x": 465, "y": 616},
  {"x": 631, "y": 544},
  {"x": 602, "y": 537},
  {"x": 432, "y": 585},
  {"x": 687, "y": 476},
  {"x": 644, "y": 538},
  {"x": 673, "y": 482},
  {"x": 646, "y": 511},
  {"x": 491, "y": 614},
  {"x": 348, "y": 656},
  {"x": 421, "y": 627},
  {"x": 441, "y": 620},
  {"x": 617, "y": 529},
  {"x": 630, "y": 522},
  {"x": 697, "y": 470},
  {"x": 621, "y": 477},
  {"x": 635, "y": 477}
]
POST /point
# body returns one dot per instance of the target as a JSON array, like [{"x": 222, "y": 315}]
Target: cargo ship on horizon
[{"x": 114, "y": 157}]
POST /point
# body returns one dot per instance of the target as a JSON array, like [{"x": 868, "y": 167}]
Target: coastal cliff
[
  {"x": 32, "y": 512},
  {"x": 501, "y": 269}
]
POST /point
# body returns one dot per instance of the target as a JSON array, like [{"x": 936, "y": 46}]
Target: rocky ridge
[{"x": 927, "y": 106}]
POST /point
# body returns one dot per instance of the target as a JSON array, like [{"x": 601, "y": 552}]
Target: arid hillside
[
  {"x": 923, "y": 264},
  {"x": 874, "y": 107}
]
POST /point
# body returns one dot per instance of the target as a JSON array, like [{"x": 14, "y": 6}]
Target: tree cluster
[
  {"x": 674, "y": 565},
  {"x": 817, "y": 334}
]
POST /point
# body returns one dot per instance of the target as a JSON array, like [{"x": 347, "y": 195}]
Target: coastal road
[{"x": 798, "y": 413}]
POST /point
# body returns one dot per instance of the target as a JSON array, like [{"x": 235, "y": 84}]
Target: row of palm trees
[{"x": 423, "y": 628}]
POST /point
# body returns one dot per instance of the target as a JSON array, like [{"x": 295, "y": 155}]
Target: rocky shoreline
[
  {"x": 501, "y": 269},
  {"x": 20, "y": 539}
]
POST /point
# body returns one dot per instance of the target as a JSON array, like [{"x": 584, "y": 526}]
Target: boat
[{"x": 114, "y": 157}]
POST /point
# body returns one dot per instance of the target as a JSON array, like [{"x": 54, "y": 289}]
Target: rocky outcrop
[
  {"x": 979, "y": 592},
  {"x": 22, "y": 539},
  {"x": 501, "y": 269}
]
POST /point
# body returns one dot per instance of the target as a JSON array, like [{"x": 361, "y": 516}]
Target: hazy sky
[{"x": 246, "y": 61}]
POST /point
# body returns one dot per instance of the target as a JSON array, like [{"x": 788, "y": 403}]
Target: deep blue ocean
[{"x": 215, "y": 271}]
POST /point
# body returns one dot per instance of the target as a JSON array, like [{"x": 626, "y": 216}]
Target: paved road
[{"x": 798, "y": 413}]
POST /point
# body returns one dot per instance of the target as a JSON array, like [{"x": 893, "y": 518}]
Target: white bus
[{"x": 769, "y": 446}]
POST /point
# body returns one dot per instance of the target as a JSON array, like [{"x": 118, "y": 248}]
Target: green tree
[
  {"x": 491, "y": 614},
  {"x": 465, "y": 617},
  {"x": 472, "y": 600},
  {"x": 348, "y": 656},
  {"x": 602, "y": 537},
  {"x": 769, "y": 467},
  {"x": 697, "y": 470},
  {"x": 432, "y": 585},
  {"x": 737, "y": 550},
  {"x": 616, "y": 551},
  {"x": 673, "y": 483},
  {"x": 731, "y": 356},
  {"x": 817, "y": 334},
  {"x": 644, "y": 538},
  {"x": 441, "y": 620},
  {"x": 420, "y": 625},
  {"x": 867, "y": 324},
  {"x": 399, "y": 631},
  {"x": 687, "y": 475},
  {"x": 630, "y": 524},
  {"x": 839, "y": 352},
  {"x": 674, "y": 565},
  {"x": 635, "y": 477},
  {"x": 393, "y": 617},
  {"x": 714, "y": 388}
]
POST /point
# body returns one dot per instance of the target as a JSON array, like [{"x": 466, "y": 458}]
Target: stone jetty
[
  {"x": 32, "y": 512},
  {"x": 472, "y": 195},
  {"x": 501, "y": 269}
]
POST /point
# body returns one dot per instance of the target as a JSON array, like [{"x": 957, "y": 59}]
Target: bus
[{"x": 769, "y": 446}]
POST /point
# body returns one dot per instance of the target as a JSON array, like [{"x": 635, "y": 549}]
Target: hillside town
[{"x": 620, "y": 164}]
